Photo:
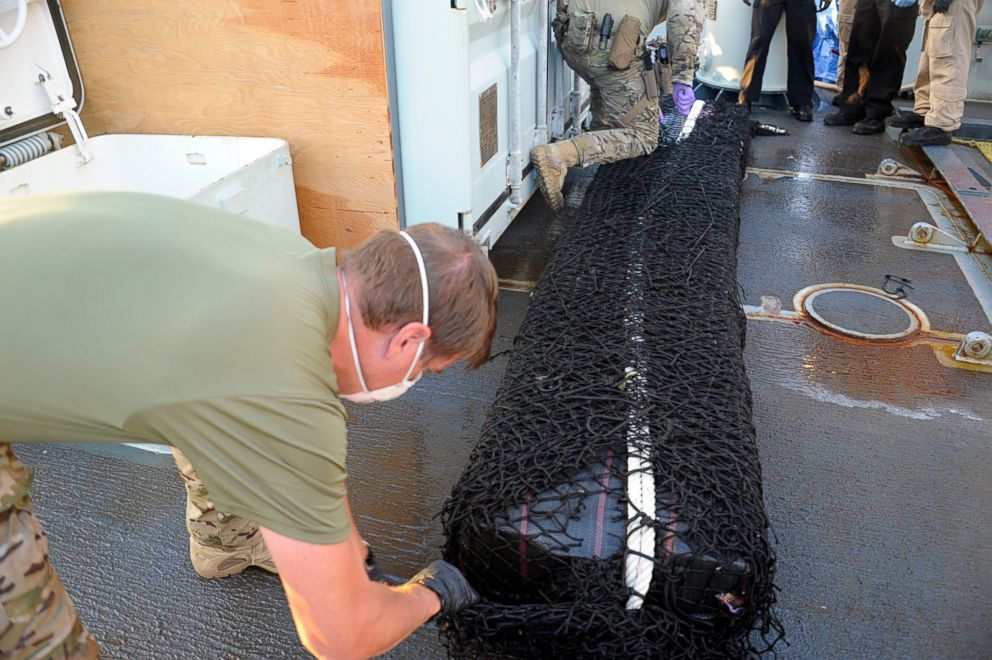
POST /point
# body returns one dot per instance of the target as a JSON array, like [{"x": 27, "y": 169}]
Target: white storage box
[
  {"x": 249, "y": 176},
  {"x": 41, "y": 88}
]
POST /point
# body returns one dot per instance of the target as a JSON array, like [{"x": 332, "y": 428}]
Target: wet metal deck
[{"x": 876, "y": 459}]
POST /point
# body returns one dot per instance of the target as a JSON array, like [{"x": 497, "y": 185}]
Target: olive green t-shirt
[{"x": 137, "y": 318}]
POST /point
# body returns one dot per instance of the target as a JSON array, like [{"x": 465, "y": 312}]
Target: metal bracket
[
  {"x": 63, "y": 105},
  {"x": 893, "y": 168},
  {"x": 975, "y": 348},
  {"x": 926, "y": 237}
]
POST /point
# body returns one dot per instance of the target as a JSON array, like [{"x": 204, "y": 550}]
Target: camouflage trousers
[
  {"x": 207, "y": 526},
  {"x": 624, "y": 120},
  {"x": 37, "y": 617}
]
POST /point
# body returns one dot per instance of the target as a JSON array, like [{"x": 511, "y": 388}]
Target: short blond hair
[{"x": 461, "y": 281}]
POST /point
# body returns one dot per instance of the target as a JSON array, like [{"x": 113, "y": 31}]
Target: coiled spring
[{"x": 33, "y": 147}]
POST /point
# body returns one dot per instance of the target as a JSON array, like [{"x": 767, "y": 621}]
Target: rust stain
[
  {"x": 921, "y": 337},
  {"x": 945, "y": 355},
  {"x": 943, "y": 344}
]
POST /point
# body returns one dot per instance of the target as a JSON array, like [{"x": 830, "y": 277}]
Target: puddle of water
[
  {"x": 902, "y": 380},
  {"x": 824, "y": 395}
]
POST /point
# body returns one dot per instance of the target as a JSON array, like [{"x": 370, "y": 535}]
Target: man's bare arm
[{"x": 338, "y": 611}]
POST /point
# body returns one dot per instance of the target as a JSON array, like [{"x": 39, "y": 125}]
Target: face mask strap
[
  {"x": 416, "y": 358},
  {"x": 351, "y": 334},
  {"x": 423, "y": 272},
  {"x": 426, "y": 300}
]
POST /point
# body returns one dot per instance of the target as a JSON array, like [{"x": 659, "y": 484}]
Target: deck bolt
[
  {"x": 976, "y": 345},
  {"x": 921, "y": 232}
]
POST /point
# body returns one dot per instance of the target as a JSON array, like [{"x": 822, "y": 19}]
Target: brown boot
[
  {"x": 552, "y": 162},
  {"x": 213, "y": 562}
]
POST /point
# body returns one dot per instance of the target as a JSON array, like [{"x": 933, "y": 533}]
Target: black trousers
[
  {"x": 800, "y": 30},
  {"x": 876, "y": 57}
]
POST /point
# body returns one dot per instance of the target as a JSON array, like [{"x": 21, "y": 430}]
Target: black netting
[
  {"x": 672, "y": 126},
  {"x": 632, "y": 346}
]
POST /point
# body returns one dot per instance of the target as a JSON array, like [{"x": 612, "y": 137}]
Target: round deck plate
[{"x": 861, "y": 313}]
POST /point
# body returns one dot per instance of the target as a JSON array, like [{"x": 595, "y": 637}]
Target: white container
[
  {"x": 723, "y": 47},
  {"x": 251, "y": 176},
  {"x": 451, "y": 67},
  {"x": 724, "y": 43}
]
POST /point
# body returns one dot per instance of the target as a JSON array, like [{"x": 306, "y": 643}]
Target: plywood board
[{"x": 309, "y": 71}]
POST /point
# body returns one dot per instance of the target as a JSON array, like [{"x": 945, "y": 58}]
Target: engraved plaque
[{"x": 488, "y": 125}]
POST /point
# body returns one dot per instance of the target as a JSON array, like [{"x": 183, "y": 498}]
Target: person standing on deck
[
  {"x": 873, "y": 69},
  {"x": 800, "y": 30},
  {"x": 138, "y": 318},
  {"x": 942, "y": 80}
]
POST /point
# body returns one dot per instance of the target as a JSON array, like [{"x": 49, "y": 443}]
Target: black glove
[
  {"x": 825, "y": 5},
  {"x": 941, "y": 6},
  {"x": 449, "y": 584}
]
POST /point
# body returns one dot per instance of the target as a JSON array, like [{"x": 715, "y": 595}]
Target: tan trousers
[
  {"x": 941, "y": 81},
  {"x": 845, "y": 21},
  {"x": 37, "y": 617}
]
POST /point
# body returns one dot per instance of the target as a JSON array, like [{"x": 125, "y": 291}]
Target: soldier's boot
[
  {"x": 218, "y": 561},
  {"x": 552, "y": 162},
  {"x": 220, "y": 544}
]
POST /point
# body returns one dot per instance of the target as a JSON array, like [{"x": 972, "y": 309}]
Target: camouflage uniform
[
  {"x": 685, "y": 28},
  {"x": 624, "y": 118},
  {"x": 220, "y": 544},
  {"x": 37, "y": 617}
]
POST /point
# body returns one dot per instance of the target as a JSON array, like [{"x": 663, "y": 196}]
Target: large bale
[{"x": 621, "y": 438}]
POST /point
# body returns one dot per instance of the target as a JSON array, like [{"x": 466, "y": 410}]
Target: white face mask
[{"x": 399, "y": 389}]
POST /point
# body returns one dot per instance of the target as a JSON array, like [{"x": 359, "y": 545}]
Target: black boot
[
  {"x": 906, "y": 120},
  {"x": 842, "y": 118},
  {"x": 927, "y": 136},
  {"x": 869, "y": 126}
]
